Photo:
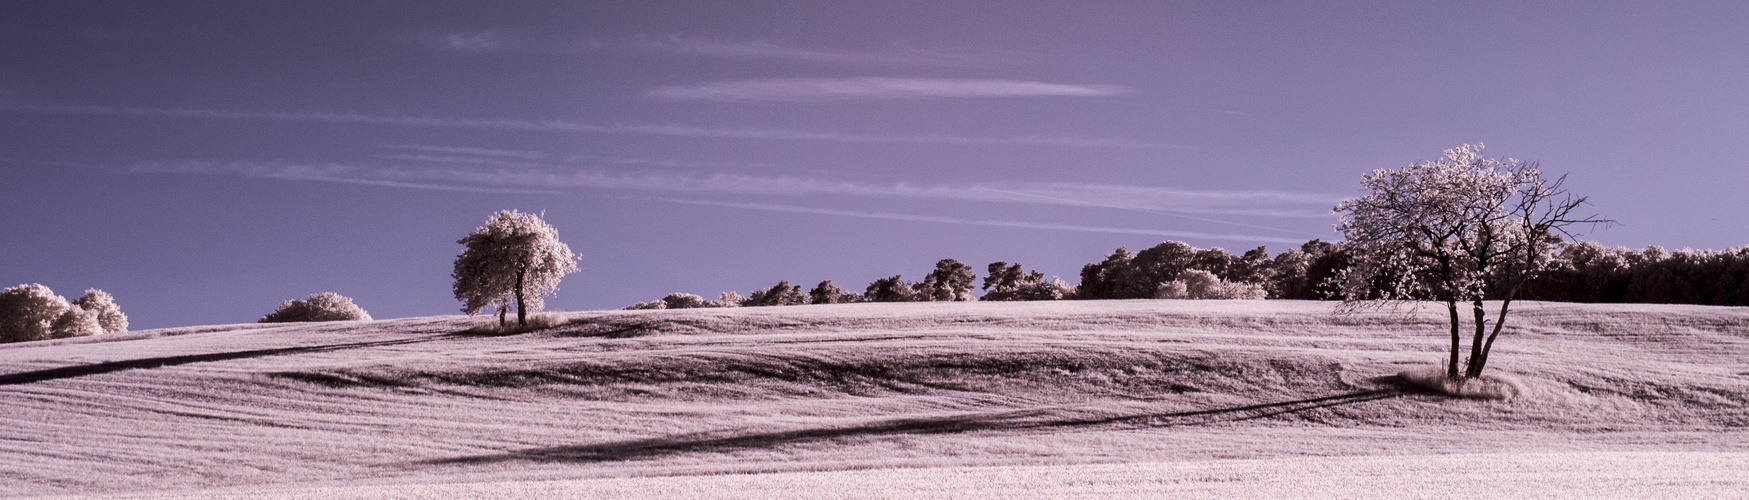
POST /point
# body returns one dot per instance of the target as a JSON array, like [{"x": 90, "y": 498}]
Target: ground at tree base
[{"x": 1093, "y": 398}]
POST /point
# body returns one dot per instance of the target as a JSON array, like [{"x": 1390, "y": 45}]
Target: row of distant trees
[
  {"x": 951, "y": 280},
  {"x": 1578, "y": 272}
]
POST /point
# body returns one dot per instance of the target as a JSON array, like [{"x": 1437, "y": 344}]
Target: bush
[
  {"x": 34, "y": 312},
  {"x": 891, "y": 289},
  {"x": 1009, "y": 282},
  {"x": 683, "y": 301},
  {"x": 28, "y": 312},
  {"x": 782, "y": 294},
  {"x": 654, "y": 304},
  {"x": 109, "y": 315},
  {"x": 1203, "y": 285},
  {"x": 728, "y": 299},
  {"x": 679, "y": 300},
  {"x": 825, "y": 293},
  {"x": 325, "y": 306},
  {"x": 950, "y": 282}
]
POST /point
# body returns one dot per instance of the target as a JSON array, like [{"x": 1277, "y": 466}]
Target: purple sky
[{"x": 205, "y": 161}]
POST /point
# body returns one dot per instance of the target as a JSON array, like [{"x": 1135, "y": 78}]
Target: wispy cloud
[
  {"x": 562, "y": 126},
  {"x": 759, "y": 49},
  {"x": 494, "y": 174},
  {"x": 497, "y": 175},
  {"x": 977, "y": 222},
  {"x": 526, "y": 155},
  {"x": 324, "y": 172},
  {"x": 531, "y": 182},
  {"x": 827, "y": 89},
  {"x": 473, "y": 42}
]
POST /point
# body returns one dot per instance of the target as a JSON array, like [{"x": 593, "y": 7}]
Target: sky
[{"x": 204, "y": 161}]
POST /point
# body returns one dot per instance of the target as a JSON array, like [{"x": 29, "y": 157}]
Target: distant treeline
[{"x": 1577, "y": 272}]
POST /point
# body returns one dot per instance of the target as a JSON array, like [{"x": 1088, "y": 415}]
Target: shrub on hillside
[
  {"x": 781, "y": 294},
  {"x": 34, "y": 312},
  {"x": 1009, "y": 282},
  {"x": 654, "y": 304},
  {"x": 728, "y": 299},
  {"x": 325, "y": 306},
  {"x": 684, "y": 301},
  {"x": 951, "y": 281},
  {"x": 1203, "y": 285},
  {"x": 828, "y": 293},
  {"x": 891, "y": 289},
  {"x": 109, "y": 316}
]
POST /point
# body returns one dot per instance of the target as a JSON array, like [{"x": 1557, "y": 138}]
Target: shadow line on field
[
  {"x": 1013, "y": 420},
  {"x": 160, "y": 362}
]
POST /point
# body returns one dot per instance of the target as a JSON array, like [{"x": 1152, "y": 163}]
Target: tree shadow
[
  {"x": 1014, "y": 420},
  {"x": 160, "y": 362}
]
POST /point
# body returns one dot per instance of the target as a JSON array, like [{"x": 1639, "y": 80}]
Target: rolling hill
[{"x": 851, "y": 389}]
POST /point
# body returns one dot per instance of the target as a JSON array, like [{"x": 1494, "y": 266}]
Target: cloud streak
[
  {"x": 497, "y": 41},
  {"x": 526, "y": 155},
  {"x": 322, "y": 172},
  {"x": 488, "y": 174},
  {"x": 758, "y": 49},
  {"x": 832, "y": 89},
  {"x": 563, "y": 126}
]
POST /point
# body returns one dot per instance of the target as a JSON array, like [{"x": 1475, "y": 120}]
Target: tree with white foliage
[
  {"x": 109, "y": 315},
  {"x": 1198, "y": 284},
  {"x": 34, "y": 312},
  {"x": 514, "y": 259},
  {"x": 1461, "y": 229}
]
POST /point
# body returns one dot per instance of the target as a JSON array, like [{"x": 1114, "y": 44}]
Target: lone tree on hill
[
  {"x": 515, "y": 255},
  {"x": 1460, "y": 229}
]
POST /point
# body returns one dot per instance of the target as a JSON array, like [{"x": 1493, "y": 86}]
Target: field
[{"x": 1099, "y": 398}]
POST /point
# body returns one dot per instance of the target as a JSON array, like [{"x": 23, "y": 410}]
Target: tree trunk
[
  {"x": 1451, "y": 370},
  {"x": 1476, "y": 343},
  {"x": 1477, "y": 364},
  {"x": 522, "y": 308},
  {"x": 501, "y": 312}
]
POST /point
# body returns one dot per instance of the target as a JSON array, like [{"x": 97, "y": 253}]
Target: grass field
[{"x": 864, "y": 398}]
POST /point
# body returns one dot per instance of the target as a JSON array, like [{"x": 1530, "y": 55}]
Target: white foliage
[
  {"x": 76, "y": 322},
  {"x": 28, "y": 312},
  {"x": 109, "y": 315},
  {"x": 684, "y": 301},
  {"x": 34, "y": 312},
  {"x": 728, "y": 299},
  {"x": 1174, "y": 289},
  {"x": 325, "y": 306},
  {"x": 1203, "y": 285},
  {"x": 514, "y": 259}
]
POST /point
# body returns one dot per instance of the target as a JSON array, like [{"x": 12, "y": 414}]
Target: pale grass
[
  {"x": 682, "y": 398},
  {"x": 1486, "y": 386},
  {"x": 1528, "y": 475}
]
